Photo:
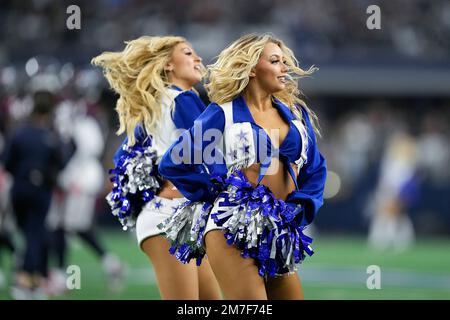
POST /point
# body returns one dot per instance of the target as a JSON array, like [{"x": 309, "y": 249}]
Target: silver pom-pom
[{"x": 184, "y": 231}]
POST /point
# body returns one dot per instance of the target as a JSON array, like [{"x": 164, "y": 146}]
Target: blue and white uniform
[
  {"x": 263, "y": 227},
  {"x": 135, "y": 178}
]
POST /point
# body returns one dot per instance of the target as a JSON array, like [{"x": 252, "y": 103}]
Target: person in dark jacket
[{"x": 33, "y": 158}]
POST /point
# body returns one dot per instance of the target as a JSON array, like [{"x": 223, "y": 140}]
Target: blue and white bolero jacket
[
  {"x": 240, "y": 148},
  {"x": 135, "y": 177},
  {"x": 224, "y": 139}
]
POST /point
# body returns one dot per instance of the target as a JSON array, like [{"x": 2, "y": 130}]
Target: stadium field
[{"x": 337, "y": 270}]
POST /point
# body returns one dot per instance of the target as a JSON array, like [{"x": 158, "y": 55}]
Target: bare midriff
[
  {"x": 277, "y": 178},
  {"x": 169, "y": 191}
]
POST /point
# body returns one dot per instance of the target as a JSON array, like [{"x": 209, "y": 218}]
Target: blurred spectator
[
  {"x": 33, "y": 159},
  {"x": 6, "y": 225},
  {"x": 435, "y": 149},
  {"x": 397, "y": 189},
  {"x": 82, "y": 180}
]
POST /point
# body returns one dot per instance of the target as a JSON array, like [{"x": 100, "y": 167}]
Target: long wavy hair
[
  {"x": 229, "y": 76},
  {"x": 137, "y": 74}
]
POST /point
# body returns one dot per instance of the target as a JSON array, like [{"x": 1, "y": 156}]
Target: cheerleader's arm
[
  {"x": 188, "y": 107},
  {"x": 189, "y": 165}
]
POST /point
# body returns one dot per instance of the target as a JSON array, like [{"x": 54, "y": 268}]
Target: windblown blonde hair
[
  {"x": 137, "y": 74},
  {"x": 229, "y": 76}
]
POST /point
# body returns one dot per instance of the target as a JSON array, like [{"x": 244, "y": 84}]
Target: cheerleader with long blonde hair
[
  {"x": 267, "y": 184},
  {"x": 154, "y": 78}
]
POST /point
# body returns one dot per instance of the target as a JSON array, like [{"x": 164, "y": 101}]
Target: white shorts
[{"x": 155, "y": 212}]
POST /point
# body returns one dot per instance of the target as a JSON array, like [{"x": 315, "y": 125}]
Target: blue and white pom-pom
[
  {"x": 184, "y": 230},
  {"x": 263, "y": 227},
  {"x": 134, "y": 181}
]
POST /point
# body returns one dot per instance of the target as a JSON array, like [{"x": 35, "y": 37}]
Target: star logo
[
  {"x": 233, "y": 154},
  {"x": 245, "y": 149},
  {"x": 158, "y": 204},
  {"x": 242, "y": 135}
]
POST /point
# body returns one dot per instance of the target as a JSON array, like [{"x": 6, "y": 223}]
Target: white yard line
[{"x": 342, "y": 275}]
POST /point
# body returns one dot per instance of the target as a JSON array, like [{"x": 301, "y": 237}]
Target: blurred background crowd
[
  {"x": 382, "y": 97},
  {"x": 319, "y": 31}
]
